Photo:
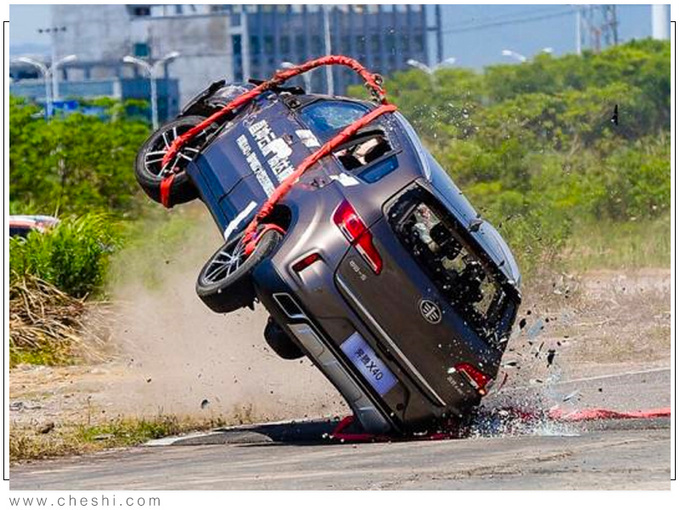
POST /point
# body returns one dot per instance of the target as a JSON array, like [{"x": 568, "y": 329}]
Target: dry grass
[
  {"x": 50, "y": 440},
  {"x": 50, "y": 327}
]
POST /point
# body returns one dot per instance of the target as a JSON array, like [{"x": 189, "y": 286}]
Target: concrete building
[
  {"x": 238, "y": 42},
  {"x": 101, "y": 35}
]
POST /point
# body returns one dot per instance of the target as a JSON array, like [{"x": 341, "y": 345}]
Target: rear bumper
[
  {"x": 289, "y": 314},
  {"x": 366, "y": 411}
]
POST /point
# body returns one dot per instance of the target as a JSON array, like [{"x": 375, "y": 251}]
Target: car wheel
[
  {"x": 225, "y": 284},
  {"x": 149, "y": 168},
  {"x": 280, "y": 342}
]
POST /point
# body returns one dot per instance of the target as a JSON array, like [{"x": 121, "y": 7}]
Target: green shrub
[
  {"x": 74, "y": 164},
  {"x": 73, "y": 256}
]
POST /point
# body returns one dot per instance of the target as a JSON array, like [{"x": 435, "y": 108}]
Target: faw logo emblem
[{"x": 430, "y": 311}]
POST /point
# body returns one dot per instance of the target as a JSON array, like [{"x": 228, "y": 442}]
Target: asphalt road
[{"x": 614, "y": 454}]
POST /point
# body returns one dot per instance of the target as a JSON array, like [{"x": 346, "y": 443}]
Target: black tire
[
  {"x": 148, "y": 167},
  {"x": 280, "y": 342},
  {"x": 225, "y": 284}
]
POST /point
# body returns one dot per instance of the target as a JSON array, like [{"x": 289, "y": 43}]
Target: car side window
[
  {"x": 368, "y": 154},
  {"x": 325, "y": 118}
]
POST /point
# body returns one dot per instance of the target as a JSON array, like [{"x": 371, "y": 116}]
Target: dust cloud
[{"x": 182, "y": 358}]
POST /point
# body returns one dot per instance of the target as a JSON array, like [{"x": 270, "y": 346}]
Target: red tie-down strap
[
  {"x": 250, "y": 236},
  {"x": 452, "y": 431},
  {"x": 166, "y": 186},
  {"x": 340, "y": 434},
  {"x": 373, "y": 84}
]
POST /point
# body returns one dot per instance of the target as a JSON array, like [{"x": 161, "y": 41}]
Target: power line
[
  {"x": 519, "y": 21},
  {"x": 503, "y": 17}
]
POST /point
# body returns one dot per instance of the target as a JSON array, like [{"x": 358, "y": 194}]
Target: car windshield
[
  {"x": 432, "y": 237},
  {"x": 325, "y": 118}
]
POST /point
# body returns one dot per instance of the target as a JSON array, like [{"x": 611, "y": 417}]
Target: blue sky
[{"x": 472, "y": 47}]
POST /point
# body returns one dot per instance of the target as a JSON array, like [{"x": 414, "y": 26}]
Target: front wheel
[
  {"x": 150, "y": 171},
  {"x": 225, "y": 284}
]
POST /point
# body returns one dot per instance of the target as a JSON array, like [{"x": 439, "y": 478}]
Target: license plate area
[{"x": 369, "y": 365}]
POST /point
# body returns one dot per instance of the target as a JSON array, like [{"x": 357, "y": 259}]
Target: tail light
[
  {"x": 478, "y": 380},
  {"x": 356, "y": 232}
]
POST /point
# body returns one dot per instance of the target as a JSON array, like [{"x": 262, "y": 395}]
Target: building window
[
  {"x": 317, "y": 46},
  {"x": 375, "y": 43},
  {"x": 254, "y": 44},
  {"x": 141, "y": 10},
  {"x": 300, "y": 45},
  {"x": 285, "y": 44},
  {"x": 418, "y": 42},
  {"x": 141, "y": 50},
  {"x": 268, "y": 44}
]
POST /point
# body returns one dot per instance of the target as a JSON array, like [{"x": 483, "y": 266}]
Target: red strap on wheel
[{"x": 166, "y": 185}]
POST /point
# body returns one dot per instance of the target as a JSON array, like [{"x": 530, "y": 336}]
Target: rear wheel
[
  {"x": 225, "y": 284},
  {"x": 280, "y": 342},
  {"x": 149, "y": 168}
]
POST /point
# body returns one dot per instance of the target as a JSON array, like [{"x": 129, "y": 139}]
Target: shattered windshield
[{"x": 327, "y": 117}]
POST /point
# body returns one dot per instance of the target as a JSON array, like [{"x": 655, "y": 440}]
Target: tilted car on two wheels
[{"x": 368, "y": 258}]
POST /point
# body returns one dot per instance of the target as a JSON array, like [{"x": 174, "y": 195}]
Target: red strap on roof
[{"x": 373, "y": 83}]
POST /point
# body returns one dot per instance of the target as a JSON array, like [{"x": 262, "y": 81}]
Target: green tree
[{"x": 73, "y": 164}]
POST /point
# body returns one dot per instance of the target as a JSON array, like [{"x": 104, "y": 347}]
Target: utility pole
[
  {"x": 245, "y": 44},
  {"x": 578, "y": 31},
  {"x": 597, "y": 27},
  {"x": 152, "y": 70},
  {"x": 327, "y": 48},
  {"x": 52, "y": 71},
  {"x": 431, "y": 70},
  {"x": 55, "y": 75},
  {"x": 45, "y": 71},
  {"x": 438, "y": 25}
]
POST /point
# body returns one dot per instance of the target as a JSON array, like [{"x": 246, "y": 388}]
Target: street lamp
[
  {"x": 45, "y": 71},
  {"x": 307, "y": 77},
  {"x": 430, "y": 71},
  {"x": 55, "y": 75},
  {"x": 514, "y": 54},
  {"x": 152, "y": 70}
]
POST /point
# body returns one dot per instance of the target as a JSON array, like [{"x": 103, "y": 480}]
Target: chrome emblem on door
[{"x": 430, "y": 311}]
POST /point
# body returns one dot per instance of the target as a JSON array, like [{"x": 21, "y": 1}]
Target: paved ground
[{"x": 624, "y": 454}]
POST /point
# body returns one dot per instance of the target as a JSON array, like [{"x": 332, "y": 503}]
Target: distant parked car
[{"x": 21, "y": 225}]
